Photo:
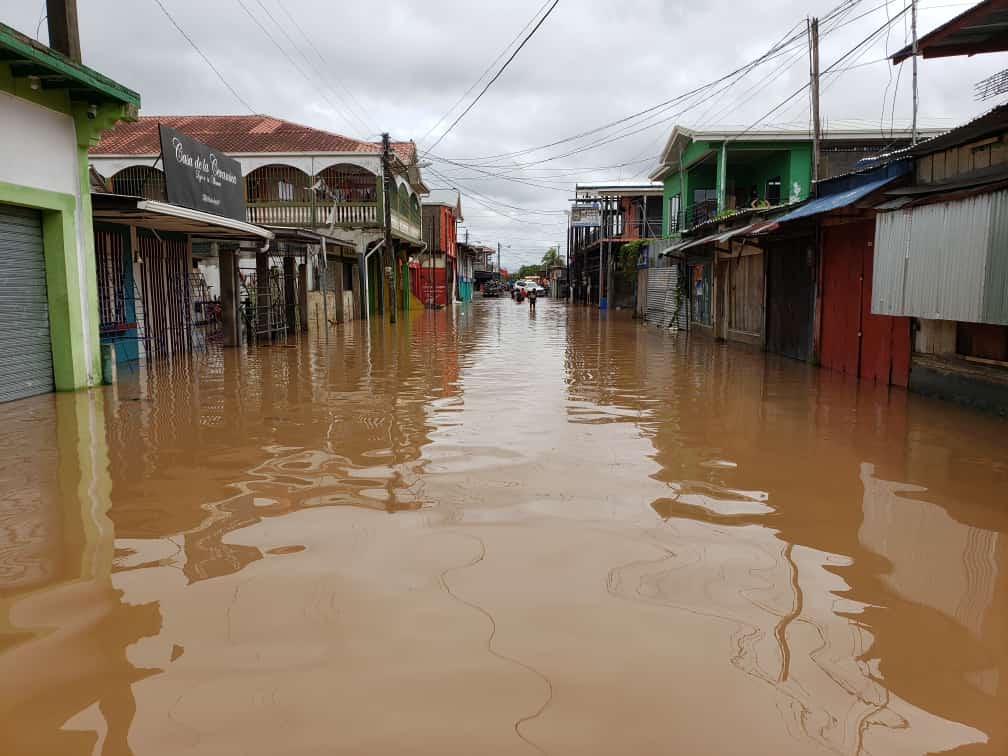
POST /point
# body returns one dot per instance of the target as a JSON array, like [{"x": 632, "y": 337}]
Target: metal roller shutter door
[
  {"x": 663, "y": 298},
  {"x": 26, "y": 357}
]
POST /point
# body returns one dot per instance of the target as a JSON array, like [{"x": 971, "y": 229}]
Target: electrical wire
[
  {"x": 290, "y": 59},
  {"x": 206, "y": 60},
  {"x": 326, "y": 65},
  {"x": 312, "y": 66},
  {"x": 495, "y": 77},
  {"x": 485, "y": 72}
]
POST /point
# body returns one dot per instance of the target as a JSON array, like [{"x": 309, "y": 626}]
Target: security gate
[
  {"x": 26, "y": 357},
  {"x": 663, "y": 300}
]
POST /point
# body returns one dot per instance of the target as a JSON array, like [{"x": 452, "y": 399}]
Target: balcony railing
[
  {"x": 341, "y": 215},
  {"x": 698, "y": 213}
]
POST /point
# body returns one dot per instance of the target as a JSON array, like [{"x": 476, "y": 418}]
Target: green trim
[
  {"x": 82, "y": 77},
  {"x": 59, "y": 240}
]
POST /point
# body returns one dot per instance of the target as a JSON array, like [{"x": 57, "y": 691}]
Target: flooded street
[{"x": 487, "y": 531}]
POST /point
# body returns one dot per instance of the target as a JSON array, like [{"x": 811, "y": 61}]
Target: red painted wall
[{"x": 853, "y": 340}]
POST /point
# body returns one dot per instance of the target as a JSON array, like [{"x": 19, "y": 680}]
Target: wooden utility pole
[
  {"x": 388, "y": 189},
  {"x": 64, "y": 37},
  {"x": 814, "y": 57}
]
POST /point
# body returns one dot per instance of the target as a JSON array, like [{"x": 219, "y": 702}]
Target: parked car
[{"x": 528, "y": 286}]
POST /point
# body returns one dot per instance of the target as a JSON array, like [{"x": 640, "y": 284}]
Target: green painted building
[
  {"x": 707, "y": 174},
  {"x": 51, "y": 110}
]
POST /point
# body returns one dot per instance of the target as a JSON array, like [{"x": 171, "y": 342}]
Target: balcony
[{"x": 302, "y": 215}]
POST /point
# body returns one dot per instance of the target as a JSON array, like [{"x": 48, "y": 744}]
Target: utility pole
[
  {"x": 498, "y": 262},
  {"x": 64, "y": 36},
  {"x": 816, "y": 133},
  {"x": 913, "y": 31},
  {"x": 388, "y": 187}
]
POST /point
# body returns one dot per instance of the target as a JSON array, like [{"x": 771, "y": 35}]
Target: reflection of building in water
[
  {"x": 206, "y": 449},
  {"x": 941, "y": 619},
  {"x": 64, "y": 630},
  {"x": 934, "y": 560}
]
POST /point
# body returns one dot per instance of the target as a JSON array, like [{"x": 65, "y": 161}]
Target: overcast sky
[{"x": 400, "y": 65}]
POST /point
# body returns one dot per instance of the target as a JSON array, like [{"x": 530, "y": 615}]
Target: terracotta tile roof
[{"x": 237, "y": 134}]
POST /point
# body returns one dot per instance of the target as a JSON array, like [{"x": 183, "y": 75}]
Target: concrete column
[
  {"x": 290, "y": 294},
  {"x": 229, "y": 300},
  {"x": 262, "y": 293}
]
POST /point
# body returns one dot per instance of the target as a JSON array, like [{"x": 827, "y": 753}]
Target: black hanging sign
[{"x": 198, "y": 177}]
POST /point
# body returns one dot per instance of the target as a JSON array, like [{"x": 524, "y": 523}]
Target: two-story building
[
  {"x": 604, "y": 218},
  {"x": 294, "y": 177},
  {"x": 717, "y": 183},
  {"x": 436, "y": 276}
]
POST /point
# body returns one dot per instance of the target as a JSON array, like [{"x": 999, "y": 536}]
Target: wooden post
[
  {"x": 290, "y": 294},
  {"x": 303, "y": 295},
  {"x": 816, "y": 127},
  {"x": 229, "y": 300},
  {"x": 64, "y": 36}
]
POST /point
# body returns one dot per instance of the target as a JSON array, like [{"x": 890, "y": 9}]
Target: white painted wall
[
  {"x": 38, "y": 147},
  {"x": 108, "y": 166}
]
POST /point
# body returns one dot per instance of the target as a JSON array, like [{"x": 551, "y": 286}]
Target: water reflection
[
  {"x": 566, "y": 533},
  {"x": 65, "y": 672},
  {"x": 778, "y": 525}
]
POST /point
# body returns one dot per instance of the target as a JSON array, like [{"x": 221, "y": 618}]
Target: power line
[
  {"x": 495, "y": 77},
  {"x": 325, "y": 63},
  {"x": 485, "y": 72},
  {"x": 290, "y": 60},
  {"x": 310, "y": 65},
  {"x": 205, "y": 58}
]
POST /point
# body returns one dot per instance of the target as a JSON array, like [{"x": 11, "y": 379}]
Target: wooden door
[
  {"x": 790, "y": 291},
  {"x": 842, "y": 261}
]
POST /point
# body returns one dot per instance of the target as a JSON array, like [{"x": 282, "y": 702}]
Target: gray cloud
[{"x": 407, "y": 61}]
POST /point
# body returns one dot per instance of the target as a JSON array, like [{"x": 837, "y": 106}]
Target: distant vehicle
[
  {"x": 528, "y": 286},
  {"x": 491, "y": 289}
]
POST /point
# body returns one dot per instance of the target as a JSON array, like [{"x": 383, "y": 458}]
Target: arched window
[
  {"x": 348, "y": 183},
  {"x": 278, "y": 184},
  {"x": 140, "y": 181}
]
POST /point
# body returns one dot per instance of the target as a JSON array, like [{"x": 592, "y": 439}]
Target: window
[
  {"x": 773, "y": 191},
  {"x": 673, "y": 214},
  {"x": 285, "y": 191}
]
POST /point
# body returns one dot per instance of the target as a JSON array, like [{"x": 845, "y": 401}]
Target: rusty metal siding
[{"x": 944, "y": 261}]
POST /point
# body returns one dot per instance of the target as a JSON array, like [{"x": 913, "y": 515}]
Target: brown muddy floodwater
[{"x": 486, "y": 532}]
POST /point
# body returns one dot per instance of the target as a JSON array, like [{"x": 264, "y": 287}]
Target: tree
[{"x": 552, "y": 258}]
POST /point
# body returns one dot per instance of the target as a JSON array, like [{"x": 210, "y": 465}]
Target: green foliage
[
  {"x": 551, "y": 258},
  {"x": 625, "y": 261}
]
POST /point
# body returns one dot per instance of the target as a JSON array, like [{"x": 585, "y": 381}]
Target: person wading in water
[{"x": 532, "y": 300}]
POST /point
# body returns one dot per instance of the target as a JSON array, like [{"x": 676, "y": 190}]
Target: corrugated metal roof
[
  {"x": 834, "y": 201},
  {"x": 944, "y": 261},
  {"x": 981, "y": 29}
]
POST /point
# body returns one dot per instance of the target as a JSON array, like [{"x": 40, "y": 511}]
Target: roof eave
[{"x": 33, "y": 53}]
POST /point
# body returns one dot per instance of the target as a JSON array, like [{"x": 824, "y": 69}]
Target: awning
[
  {"x": 833, "y": 201},
  {"x": 163, "y": 216},
  {"x": 307, "y": 236}
]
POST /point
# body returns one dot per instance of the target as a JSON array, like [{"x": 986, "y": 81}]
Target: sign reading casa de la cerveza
[{"x": 199, "y": 177}]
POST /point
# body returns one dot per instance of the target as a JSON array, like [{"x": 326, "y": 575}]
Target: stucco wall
[{"x": 39, "y": 146}]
